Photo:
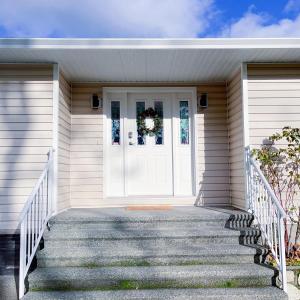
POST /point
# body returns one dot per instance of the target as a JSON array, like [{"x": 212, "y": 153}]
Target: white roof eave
[{"x": 213, "y": 43}]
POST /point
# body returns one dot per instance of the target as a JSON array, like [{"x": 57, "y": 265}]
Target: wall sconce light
[
  {"x": 202, "y": 102},
  {"x": 96, "y": 102}
]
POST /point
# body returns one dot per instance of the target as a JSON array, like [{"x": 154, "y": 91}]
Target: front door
[
  {"x": 149, "y": 156},
  {"x": 155, "y": 164}
]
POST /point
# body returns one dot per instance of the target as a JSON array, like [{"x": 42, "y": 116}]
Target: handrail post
[
  {"x": 282, "y": 255},
  {"x": 248, "y": 178},
  {"x": 22, "y": 260},
  {"x": 50, "y": 183},
  {"x": 258, "y": 187},
  {"x": 33, "y": 221}
]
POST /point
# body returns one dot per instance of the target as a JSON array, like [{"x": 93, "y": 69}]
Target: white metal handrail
[
  {"x": 33, "y": 220},
  {"x": 268, "y": 213}
]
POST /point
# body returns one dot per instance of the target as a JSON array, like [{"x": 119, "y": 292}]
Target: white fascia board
[{"x": 217, "y": 43}]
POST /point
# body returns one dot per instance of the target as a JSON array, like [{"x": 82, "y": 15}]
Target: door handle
[{"x": 130, "y": 136}]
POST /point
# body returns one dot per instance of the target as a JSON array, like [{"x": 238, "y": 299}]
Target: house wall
[
  {"x": 236, "y": 140},
  {"x": 86, "y": 170},
  {"x": 274, "y": 99},
  {"x": 25, "y": 134},
  {"x": 64, "y": 144}
]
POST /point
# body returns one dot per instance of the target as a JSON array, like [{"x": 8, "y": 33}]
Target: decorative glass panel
[
  {"x": 115, "y": 122},
  {"x": 140, "y": 107},
  {"x": 159, "y": 137},
  {"x": 184, "y": 122}
]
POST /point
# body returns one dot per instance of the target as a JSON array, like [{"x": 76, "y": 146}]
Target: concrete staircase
[{"x": 182, "y": 253}]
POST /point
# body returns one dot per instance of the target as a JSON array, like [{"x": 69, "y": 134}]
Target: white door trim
[{"x": 107, "y": 90}]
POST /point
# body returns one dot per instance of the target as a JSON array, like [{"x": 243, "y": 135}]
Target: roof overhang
[{"x": 149, "y": 60}]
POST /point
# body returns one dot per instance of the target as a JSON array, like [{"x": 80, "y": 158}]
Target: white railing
[
  {"x": 33, "y": 220},
  {"x": 268, "y": 214}
]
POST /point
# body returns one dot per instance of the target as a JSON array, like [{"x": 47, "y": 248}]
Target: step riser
[
  {"x": 146, "y": 243},
  {"x": 207, "y": 294},
  {"x": 137, "y": 225},
  {"x": 128, "y": 283},
  {"x": 142, "y": 261}
]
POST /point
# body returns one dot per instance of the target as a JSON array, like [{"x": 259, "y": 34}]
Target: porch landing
[
  {"x": 170, "y": 253},
  {"x": 145, "y": 213}
]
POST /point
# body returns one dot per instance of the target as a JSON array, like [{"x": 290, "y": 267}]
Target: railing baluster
[
  {"x": 268, "y": 213},
  {"x": 29, "y": 231},
  {"x": 34, "y": 216}
]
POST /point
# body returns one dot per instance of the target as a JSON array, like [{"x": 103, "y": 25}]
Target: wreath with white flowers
[{"x": 141, "y": 122}]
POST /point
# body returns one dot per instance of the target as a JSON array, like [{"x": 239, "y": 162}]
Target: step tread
[
  {"x": 140, "y": 250},
  {"x": 266, "y": 293},
  {"x": 124, "y": 215},
  {"x": 157, "y": 272},
  {"x": 140, "y": 234}
]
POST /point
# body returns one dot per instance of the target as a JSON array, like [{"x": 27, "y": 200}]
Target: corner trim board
[
  {"x": 55, "y": 105},
  {"x": 246, "y": 136}
]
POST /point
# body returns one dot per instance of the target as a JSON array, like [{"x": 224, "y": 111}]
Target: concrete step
[
  {"x": 175, "y": 233},
  {"x": 214, "y": 276},
  {"x": 266, "y": 293},
  {"x": 146, "y": 241},
  {"x": 174, "y": 214},
  {"x": 139, "y": 255},
  {"x": 137, "y": 225}
]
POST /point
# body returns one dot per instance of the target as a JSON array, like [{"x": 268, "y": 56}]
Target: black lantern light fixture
[
  {"x": 96, "y": 102},
  {"x": 202, "y": 101}
]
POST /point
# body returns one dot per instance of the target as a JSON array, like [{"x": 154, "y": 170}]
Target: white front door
[
  {"x": 149, "y": 165},
  {"x": 149, "y": 158}
]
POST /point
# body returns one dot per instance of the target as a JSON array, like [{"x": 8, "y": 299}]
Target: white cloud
[
  {"x": 292, "y": 5},
  {"x": 105, "y": 18},
  {"x": 259, "y": 26}
]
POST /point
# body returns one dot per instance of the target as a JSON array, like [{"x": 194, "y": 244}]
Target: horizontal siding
[
  {"x": 25, "y": 134},
  {"x": 236, "y": 137},
  {"x": 212, "y": 145},
  {"x": 274, "y": 99},
  {"x": 64, "y": 142},
  {"x": 86, "y": 171},
  {"x": 86, "y": 148}
]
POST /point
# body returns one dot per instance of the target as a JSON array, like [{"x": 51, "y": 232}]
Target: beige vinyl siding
[
  {"x": 86, "y": 171},
  {"x": 64, "y": 142},
  {"x": 236, "y": 140},
  {"x": 274, "y": 99},
  {"x": 25, "y": 134},
  {"x": 212, "y": 145}
]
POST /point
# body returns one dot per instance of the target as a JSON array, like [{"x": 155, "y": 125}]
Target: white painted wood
[
  {"x": 153, "y": 187},
  {"x": 64, "y": 141},
  {"x": 114, "y": 160},
  {"x": 33, "y": 220},
  {"x": 55, "y": 120},
  {"x": 269, "y": 214},
  {"x": 183, "y": 171},
  {"x": 149, "y": 166}
]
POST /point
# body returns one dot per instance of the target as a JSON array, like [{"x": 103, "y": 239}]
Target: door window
[
  {"x": 184, "y": 122},
  {"x": 159, "y": 137},
  {"x": 140, "y": 107},
  {"x": 115, "y": 122}
]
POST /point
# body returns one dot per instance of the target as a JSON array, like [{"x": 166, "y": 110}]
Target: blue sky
[{"x": 149, "y": 18}]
